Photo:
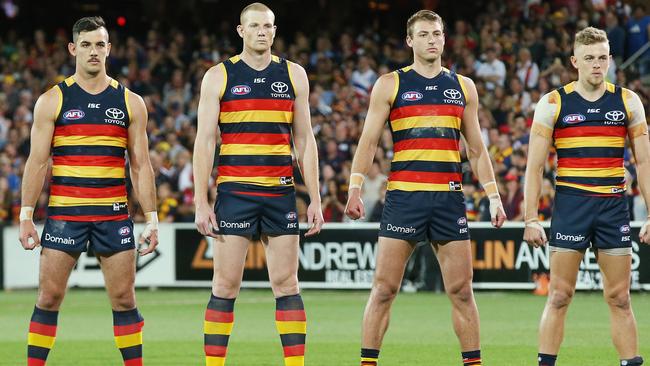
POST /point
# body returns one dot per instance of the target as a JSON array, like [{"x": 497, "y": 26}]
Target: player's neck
[
  {"x": 92, "y": 84},
  {"x": 428, "y": 69},
  {"x": 589, "y": 91},
  {"x": 257, "y": 61}
]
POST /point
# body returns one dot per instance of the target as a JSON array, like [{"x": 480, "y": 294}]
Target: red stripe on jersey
[
  {"x": 592, "y": 131},
  {"x": 255, "y": 171},
  {"x": 215, "y": 351},
  {"x": 133, "y": 362},
  {"x": 219, "y": 316},
  {"x": 35, "y": 362},
  {"x": 90, "y": 218},
  {"x": 121, "y": 330},
  {"x": 73, "y": 191},
  {"x": 425, "y": 177},
  {"x": 43, "y": 329},
  {"x": 590, "y": 162},
  {"x": 290, "y": 315},
  {"x": 256, "y": 138},
  {"x": 89, "y": 160},
  {"x": 257, "y": 104},
  {"x": 259, "y": 194},
  {"x": 426, "y": 110},
  {"x": 297, "y": 350},
  {"x": 91, "y": 130},
  {"x": 426, "y": 144}
]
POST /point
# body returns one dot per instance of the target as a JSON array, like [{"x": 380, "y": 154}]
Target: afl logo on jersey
[
  {"x": 279, "y": 87},
  {"x": 615, "y": 116},
  {"x": 452, "y": 93},
  {"x": 574, "y": 118},
  {"x": 240, "y": 89},
  {"x": 73, "y": 114},
  {"x": 411, "y": 96}
]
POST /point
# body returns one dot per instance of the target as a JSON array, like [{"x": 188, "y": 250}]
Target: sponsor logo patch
[
  {"x": 124, "y": 231},
  {"x": 411, "y": 96},
  {"x": 73, "y": 114},
  {"x": 240, "y": 89},
  {"x": 574, "y": 118}
]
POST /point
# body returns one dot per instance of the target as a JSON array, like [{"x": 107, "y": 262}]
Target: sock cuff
[
  {"x": 636, "y": 361},
  {"x": 47, "y": 317},
  {"x": 221, "y": 304},
  {"x": 369, "y": 353},
  {"x": 471, "y": 354},
  {"x": 546, "y": 355},
  {"x": 290, "y": 302},
  {"x": 127, "y": 317}
]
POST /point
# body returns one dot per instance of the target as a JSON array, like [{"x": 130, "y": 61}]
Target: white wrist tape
[{"x": 26, "y": 213}]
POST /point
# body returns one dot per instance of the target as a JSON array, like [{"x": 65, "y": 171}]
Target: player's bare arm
[
  {"x": 638, "y": 133},
  {"x": 45, "y": 113},
  {"x": 141, "y": 171},
  {"x": 478, "y": 155},
  {"x": 204, "y": 147},
  {"x": 305, "y": 145},
  {"x": 378, "y": 112},
  {"x": 541, "y": 138}
]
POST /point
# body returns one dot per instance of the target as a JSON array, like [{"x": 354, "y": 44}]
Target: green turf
[{"x": 420, "y": 331}]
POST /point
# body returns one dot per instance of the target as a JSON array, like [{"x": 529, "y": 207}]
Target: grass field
[{"x": 420, "y": 332}]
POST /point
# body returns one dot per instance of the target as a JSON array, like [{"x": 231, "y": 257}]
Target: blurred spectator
[
  {"x": 492, "y": 70},
  {"x": 527, "y": 70}
]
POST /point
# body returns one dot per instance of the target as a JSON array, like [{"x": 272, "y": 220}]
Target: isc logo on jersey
[
  {"x": 411, "y": 96},
  {"x": 73, "y": 114},
  {"x": 240, "y": 89},
  {"x": 574, "y": 118}
]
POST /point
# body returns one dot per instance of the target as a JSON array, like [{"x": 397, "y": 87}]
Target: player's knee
[
  {"x": 123, "y": 300},
  {"x": 50, "y": 299},
  {"x": 460, "y": 291},
  {"x": 384, "y": 292},
  {"x": 560, "y": 298},
  {"x": 619, "y": 300},
  {"x": 285, "y": 286},
  {"x": 225, "y": 288}
]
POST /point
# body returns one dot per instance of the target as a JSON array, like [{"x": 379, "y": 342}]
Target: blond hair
[
  {"x": 588, "y": 36},
  {"x": 254, "y": 7},
  {"x": 427, "y": 15}
]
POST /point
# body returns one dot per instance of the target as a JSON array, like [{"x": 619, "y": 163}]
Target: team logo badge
[
  {"x": 411, "y": 96},
  {"x": 291, "y": 216},
  {"x": 114, "y": 113},
  {"x": 452, "y": 93},
  {"x": 279, "y": 87},
  {"x": 240, "y": 89},
  {"x": 462, "y": 221},
  {"x": 625, "y": 229},
  {"x": 124, "y": 231},
  {"x": 574, "y": 118},
  {"x": 615, "y": 116},
  {"x": 73, "y": 114}
]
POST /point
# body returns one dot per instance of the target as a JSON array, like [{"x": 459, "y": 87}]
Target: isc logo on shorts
[{"x": 125, "y": 241}]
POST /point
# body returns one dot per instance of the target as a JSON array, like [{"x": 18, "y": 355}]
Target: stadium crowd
[{"x": 515, "y": 51}]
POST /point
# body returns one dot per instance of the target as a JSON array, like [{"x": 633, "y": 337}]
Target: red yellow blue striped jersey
[
  {"x": 255, "y": 121},
  {"x": 88, "y": 146},
  {"x": 425, "y": 119},
  {"x": 590, "y": 141}
]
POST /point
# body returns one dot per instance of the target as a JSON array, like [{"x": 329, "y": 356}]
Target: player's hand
[
  {"x": 27, "y": 231},
  {"x": 314, "y": 218},
  {"x": 354, "y": 208},
  {"x": 497, "y": 213},
  {"x": 644, "y": 234},
  {"x": 150, "y": 237},
  {"x": 534, "y": 234},
  {"x": 206, "y": 221}
]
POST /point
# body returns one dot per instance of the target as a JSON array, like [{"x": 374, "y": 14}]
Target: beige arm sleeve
[{"x": 635, "y": 114}]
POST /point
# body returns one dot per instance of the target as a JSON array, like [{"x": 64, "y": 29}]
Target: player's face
[
  {"x": 427, "y": 40},
  {"x": 257, "y": 30},
  {"x": 592, "y": 62},
  {"x": 91, "y": 50}
]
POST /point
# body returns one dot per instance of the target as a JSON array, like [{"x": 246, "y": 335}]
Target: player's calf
[
  {"x": 127, "y": 327},
  {"x": 42, "y": 333},
  {"x": 291, "y": 322}
]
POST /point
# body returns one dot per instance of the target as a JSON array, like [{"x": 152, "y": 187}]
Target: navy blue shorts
[
  {"x": 418, "y": 216},
  {"x": 78, "y": 236},
  {"x": 578, "y": 221},
  {"x": 251, "y": 212}
]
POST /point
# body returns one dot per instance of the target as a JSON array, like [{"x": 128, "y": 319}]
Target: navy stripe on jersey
[
  {"x": 87, "y": 211},
  {"x": 84, "y": 150},
  {"x": 255, "y": 127},
  {"x": 88, "y": 182},
  {"x": 591, "y": 152},
  {"x": 427, "y": 132},
  {"x": 426, "y": 166}
]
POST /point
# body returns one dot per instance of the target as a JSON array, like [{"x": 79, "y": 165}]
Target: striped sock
[
  {"x": 546, "y": 359},
  {"x": 369, "y": 357},
  {"x": 219, "y": 318},
  {"x": 127, "y": 327},
  {"x": 472, "y": 358},
  {"x": 291, "y": 322},
  {"x": 42, "y": 332}
]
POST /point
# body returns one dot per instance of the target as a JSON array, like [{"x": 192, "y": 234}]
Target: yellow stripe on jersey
[
  {"x": 225, "y": 80},
  {"x": 128, "y": 106},
  {"x": 258, "y": 181},
  {"x": 591, "y": 172},
  {"x": 291, "y": 327},
  {"x": 114, "y": 83},
  {"x": 595, "y": 189},
  {"x": 128, "y": 340},
  {"x": 592, "y": 141},
  {"x": 294, "y": 361},
  {"x": 293, "y": 86},
  {"x": 250, "y": 149},
  {"x": 88, "y": 171},
  {"x": 217, "y": 328},
  {"x": 461, "y": 81},
  {"x": 69, "y": 81},
  {"x": 35, "y": 339},
  {"x": 425, "y": 121},
  {"x": 275, "y": 59},
  {"x": 610, "y": 87},
  {"x": 256, "y": 116},
  {"x": 570, "y": 87},
  {"x": 428, "y": 155},
  {"x": 413, "y": 186},
  {"x": 89, "y": 140},
  {"x": 215, "y": 361},
  {"x": 558, "y": 100},
  {"x": 60, "y": 102},
  {"x": 395, "y": 87},
  {"x": 65, "y": 201}
]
